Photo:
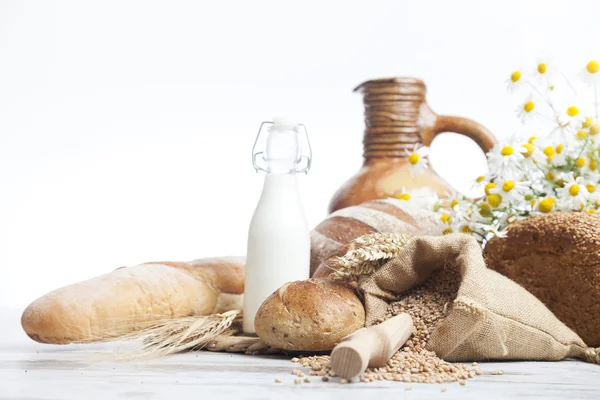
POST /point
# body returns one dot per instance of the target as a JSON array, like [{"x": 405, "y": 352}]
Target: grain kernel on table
[
  {"x": 306, "y": 380},
  {"x": 297, "y": 381},
  {"x": 427, "y": 304},
  {"x": 277, "y": 380}
]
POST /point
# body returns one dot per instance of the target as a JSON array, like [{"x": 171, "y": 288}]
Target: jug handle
[{"x": 433, "y": 124}]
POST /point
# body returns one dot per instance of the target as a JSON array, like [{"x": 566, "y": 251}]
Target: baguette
[{"x": 131, "y": 298}]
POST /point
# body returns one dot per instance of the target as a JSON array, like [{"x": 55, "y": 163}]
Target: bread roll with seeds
[
  {"x": 131, "y": 298},
  {"x": 312, "y": 315},
  {"x": 557, "y": 258},
  {"x": 385, "y": 216}
]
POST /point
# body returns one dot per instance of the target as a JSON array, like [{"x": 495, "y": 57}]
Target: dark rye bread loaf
[
  {"x": 385, "y": 216},
  {"x": 557, "y": 258}
]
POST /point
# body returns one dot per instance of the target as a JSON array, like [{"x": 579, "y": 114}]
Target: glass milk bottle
[{"x": 278, "y": 238}]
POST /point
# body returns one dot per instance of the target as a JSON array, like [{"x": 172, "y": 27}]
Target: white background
[{"x": 126, "y": 126}]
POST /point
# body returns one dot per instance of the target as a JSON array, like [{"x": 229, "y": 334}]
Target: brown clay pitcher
[{"x": 396, "y": 118}]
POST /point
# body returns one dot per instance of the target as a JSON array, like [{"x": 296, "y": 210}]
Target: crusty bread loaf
[
  {"x": 312, "y": 315},
  {"x": 385, "y": 216},
  {"x": 557, "y": 258},
  {"x": 128, "y": 299}
]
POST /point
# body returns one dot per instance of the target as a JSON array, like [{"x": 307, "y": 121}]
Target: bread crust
[
  {"x": 131, "y": 298},
  {"x": 557, "y": 258},
  {"x": 312, "y": 315},
  {"x": 385, "y": 216}
]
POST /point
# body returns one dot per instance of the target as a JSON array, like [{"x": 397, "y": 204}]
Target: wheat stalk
[
  {"x": 179, "y": 334},
  {"x": 366, "y": 255}
]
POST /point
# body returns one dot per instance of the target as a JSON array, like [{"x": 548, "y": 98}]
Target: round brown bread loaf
[
  {"x": 385, "y": 216},
  {"x": 557, "y": 258},
  {"x": 312, "y": 315}
]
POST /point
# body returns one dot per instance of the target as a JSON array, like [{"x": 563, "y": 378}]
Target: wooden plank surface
[{"x": 29, "y": 370}]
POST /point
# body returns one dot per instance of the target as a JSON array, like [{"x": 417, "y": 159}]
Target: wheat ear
[
  {"x": 366, "y": 254},
  {"x": 179, "y": 334}
]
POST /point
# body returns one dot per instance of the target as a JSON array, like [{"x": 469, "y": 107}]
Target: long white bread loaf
[
  {"x": 385, "y": 216},
  {"x": 131, "y": 298}
]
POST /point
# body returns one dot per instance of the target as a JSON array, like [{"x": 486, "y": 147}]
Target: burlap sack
[{"x": 492, "y": 317}]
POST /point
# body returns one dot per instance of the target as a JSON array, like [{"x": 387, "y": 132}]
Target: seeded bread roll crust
[
  {"x": 312, "y": 315},
  {"x": 557, "y": 258}
]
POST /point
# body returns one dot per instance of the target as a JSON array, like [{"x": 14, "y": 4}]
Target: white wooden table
[{"x": 29, "y": 370}]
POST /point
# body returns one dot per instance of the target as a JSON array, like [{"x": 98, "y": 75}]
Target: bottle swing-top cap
[{"x": 286, "y": 149}]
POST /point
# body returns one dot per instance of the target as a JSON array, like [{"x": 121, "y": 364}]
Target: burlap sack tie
[{"x": 492, "y": 317}]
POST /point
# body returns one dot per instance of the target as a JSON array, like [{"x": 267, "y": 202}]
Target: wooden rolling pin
[{"x": 370, "y": 347}]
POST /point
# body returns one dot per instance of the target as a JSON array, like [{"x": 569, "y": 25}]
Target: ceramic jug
[{"x": 397, "y": 117}]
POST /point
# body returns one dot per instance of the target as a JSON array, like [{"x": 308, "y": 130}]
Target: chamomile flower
[
  {"x": 511, "y": 189},
  {"x": 592, "y": 170},
  {"x": 546, "y": 205},
  {"x": 573, "y": 195},
  {"x": 527, "y": 110},
  {"x": 591, "y": 73},
  {"x": 403, "y": 195},
  {"x": 505, "y": 157},
  {"x": 543, "y": 72},
  {"x": 417, "y": 159},
  {"x": 560, "y": 155},
  {"x": 515, "y": 81}
]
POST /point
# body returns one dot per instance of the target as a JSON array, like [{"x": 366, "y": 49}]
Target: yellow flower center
[
  {"x": 580, "y": 162},
  {"x": 550, "y": 176},
  {"x": 485, "y": 210},
  {"x": 507, "y": 151},
  {"x": 480, "y": 179},
  {"x": 528, "y": 150},
  {"x": 593, "y": 165},
  {"x": 587, "y": 123},
  {"x": 528, "y": 107},
  {"x": 542, "y": 68},
  {"x": 413, "y": 158},
  {"x": 581, "y": 135},
  {"x": 489, "y": 186},
  {"x": 590, "y": 188},
  {"x": 572, "y": 111},
  {"x": 508, "y": 186},
  {"x": 532, "y": 139},
  {"x": 404, "y": 196},
  {"x": 546, "y": 205},
  {"x": 549, "y": 152},
  {"x": 465, "y": 229},
  {"x": 590, "y": 211},
  {"x": 453, "y": 203},
  {"x": 560, "y": 148},
  {"x": 445, "y": 218},
  {"x": 528, "y": 197},
  {"x": 515, "y": 76},
  {"x": 532, "y": 203},
  {"x": 560, "y": 182},
  {"x": 592, "y": 67},
  {"x": 574, "y": 189},
  {"x": 595, "y": 129},
  {"x": 447, "y": 231},
  {"x": 494, "y": 200}
]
